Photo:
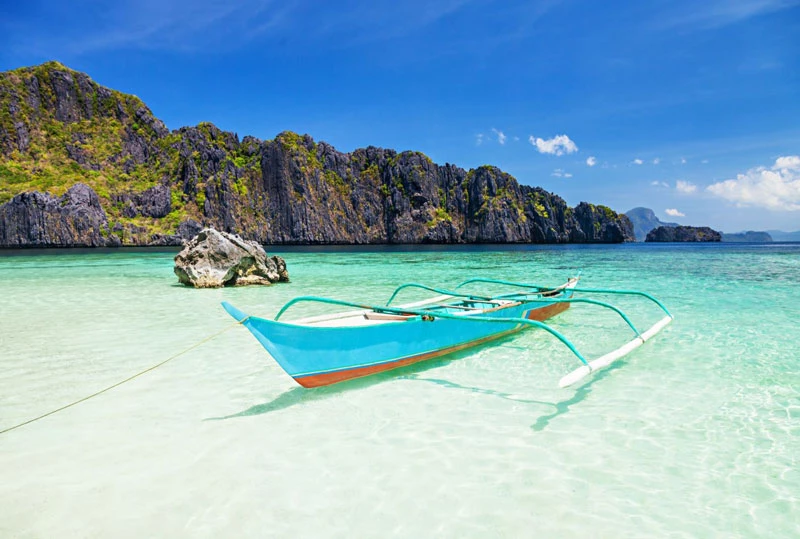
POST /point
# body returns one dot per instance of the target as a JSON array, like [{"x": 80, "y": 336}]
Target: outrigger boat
[{"x": 331, "y": 348}]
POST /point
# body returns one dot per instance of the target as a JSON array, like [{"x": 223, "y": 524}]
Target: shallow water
[{"x": 696, "y": 434}]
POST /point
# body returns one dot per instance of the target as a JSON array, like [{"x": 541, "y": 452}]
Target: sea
[{"x": 695, "y": 434}]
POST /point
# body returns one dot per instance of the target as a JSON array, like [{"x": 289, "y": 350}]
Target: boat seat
[{"x": 387, "y": 316}]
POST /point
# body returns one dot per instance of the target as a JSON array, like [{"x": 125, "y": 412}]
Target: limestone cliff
[{"x": 143, "y": 184}]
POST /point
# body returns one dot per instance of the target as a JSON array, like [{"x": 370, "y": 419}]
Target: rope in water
[{"x": 126, "y": 380}]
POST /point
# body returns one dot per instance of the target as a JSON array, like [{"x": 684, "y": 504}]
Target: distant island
[
  {"x": 683, "y": 234},
  {"x": 84, "y": 165},
  {"x": 780, "y": 235},
  {"x": 749, "y": 236}
]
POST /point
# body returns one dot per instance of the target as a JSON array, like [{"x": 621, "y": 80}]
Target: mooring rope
[{"x": 126, "y": 380}]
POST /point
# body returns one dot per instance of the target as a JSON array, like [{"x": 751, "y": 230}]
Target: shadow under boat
[{"x": 301, "y": 395}]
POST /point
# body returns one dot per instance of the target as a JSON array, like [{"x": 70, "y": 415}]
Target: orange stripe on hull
[
  {"x": 328, "y": 378},
  {"x": 547, "y": 312}
]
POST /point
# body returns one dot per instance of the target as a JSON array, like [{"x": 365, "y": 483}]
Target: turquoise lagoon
[{"x": 696, "y": 434}]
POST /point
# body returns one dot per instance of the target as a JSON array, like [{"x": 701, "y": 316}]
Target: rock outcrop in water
[
  {"x": 683, "y": 233},
  {"x": 213, "y": 259},
  {"x": 150, "y": 185}
]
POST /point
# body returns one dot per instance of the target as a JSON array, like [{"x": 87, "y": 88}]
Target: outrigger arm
[
  {"x": 434, "y": 289},
  {"x": 512, "y": 296},
  {"x": 540, "y": 288},
  {"x": 578, "y": 374},
  {"x": 605, "y": 360}
]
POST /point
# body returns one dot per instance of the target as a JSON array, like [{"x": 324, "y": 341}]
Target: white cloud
[
  {"x": 790, "y": 162},
  {"x": 479, "y": 139},
  {"x": 638, "y": 162},
  {"x": 673, "y": 212},
  {"x": 501, "y": 137},
  {"x": 685, "y": 187},
  {"x": 591, "y": 161},
  {"x": 657, "y": 160},
  {"x": 657, "y": 183},
  {"x": 683, "y": 160},
  {"x": 776, "y": 188},
  {"x": 559, "y": 173},
  {"x": 558, "y": 145}
]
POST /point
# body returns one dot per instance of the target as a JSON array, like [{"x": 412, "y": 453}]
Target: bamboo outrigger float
[{"x": 331, "y": 348}]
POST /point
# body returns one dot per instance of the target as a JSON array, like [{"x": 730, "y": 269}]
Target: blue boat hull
[{"x": 317, "y": 356}]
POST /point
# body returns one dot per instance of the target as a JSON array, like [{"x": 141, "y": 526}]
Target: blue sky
[{"x": 686, "y": 106}]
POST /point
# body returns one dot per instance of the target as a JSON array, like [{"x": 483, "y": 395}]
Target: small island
[{"x": 683, "y": 234}]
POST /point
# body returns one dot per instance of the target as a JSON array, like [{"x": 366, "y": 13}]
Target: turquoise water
[{"x": 696, "y": 434}]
